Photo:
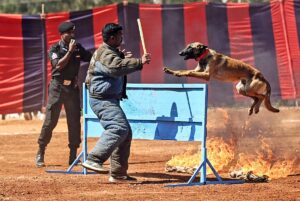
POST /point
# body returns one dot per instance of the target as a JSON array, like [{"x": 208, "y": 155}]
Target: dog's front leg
[
  {"x": 168, "y": 70},
  {"x": 177, "y": 73},
  {"x": 202, "y": 75}
]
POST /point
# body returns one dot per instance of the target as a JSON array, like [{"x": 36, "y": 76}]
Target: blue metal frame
[
  {"x": 196, "y": 104},
  {"x": 204, "y": 161}
]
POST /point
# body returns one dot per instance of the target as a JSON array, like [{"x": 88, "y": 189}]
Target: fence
[{"x": 159, "y": 112}]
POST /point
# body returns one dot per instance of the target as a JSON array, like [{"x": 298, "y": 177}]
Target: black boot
[
  {"x": 73, "y": 155},
  {"x": 39, "y": 159}
]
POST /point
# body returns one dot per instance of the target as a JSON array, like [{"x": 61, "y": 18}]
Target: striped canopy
[{"x": 265, "y": 35}]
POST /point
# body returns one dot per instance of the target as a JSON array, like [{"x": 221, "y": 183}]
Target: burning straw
[{"x": 256, "y": 167}]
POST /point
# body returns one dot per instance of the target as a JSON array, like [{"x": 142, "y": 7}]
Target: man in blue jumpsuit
[
  {"x": 65, "y": 57},
  {"x": 106, "y": 81}
]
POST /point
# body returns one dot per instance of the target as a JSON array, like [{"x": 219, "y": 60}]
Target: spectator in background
[{"x": 65, "y": 57}]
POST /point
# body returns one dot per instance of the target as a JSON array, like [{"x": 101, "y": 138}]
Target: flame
[
  {"x": 264, "y": 162},
  {"x": 219, "y": 153},
  {"x": 223, "y": 157},
  {"x": 190, "y": 158}
]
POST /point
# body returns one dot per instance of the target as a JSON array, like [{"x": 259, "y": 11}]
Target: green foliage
[
  {"x": 34, "y": 6},
  {"x": 51, "y": 6}
]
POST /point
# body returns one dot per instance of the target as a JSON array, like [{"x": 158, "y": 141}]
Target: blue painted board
[{"x": 159, "y": 112}]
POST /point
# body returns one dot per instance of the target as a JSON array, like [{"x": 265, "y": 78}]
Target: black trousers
[{"x": 69, "y": 97}]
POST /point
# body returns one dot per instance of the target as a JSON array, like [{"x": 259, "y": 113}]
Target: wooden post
[{"x": 43, "y": 11}]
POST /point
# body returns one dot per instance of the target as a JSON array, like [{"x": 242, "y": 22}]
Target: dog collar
[{"x": 202, "y": 55}]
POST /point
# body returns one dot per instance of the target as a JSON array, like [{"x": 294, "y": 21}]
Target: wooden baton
[{"x": 141, "y": 35}]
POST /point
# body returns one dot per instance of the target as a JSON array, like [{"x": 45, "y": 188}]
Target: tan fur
[{"x": 250, "y": 80}]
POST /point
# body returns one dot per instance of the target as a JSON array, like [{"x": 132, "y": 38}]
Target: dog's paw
[
  {"x": 166, "y": 70},
  {"x": 250, "y": 111}
]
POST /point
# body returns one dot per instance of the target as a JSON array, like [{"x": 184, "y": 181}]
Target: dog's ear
[{"x": 201, "y": 46}]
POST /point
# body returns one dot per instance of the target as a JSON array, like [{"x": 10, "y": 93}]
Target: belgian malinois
[{"x": 214, "y": 65}]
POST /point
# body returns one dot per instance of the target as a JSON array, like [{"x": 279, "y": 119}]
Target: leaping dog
[{"x": 251, "y": 82}]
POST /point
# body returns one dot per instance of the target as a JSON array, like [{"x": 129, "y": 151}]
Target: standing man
[
  {"x": 106, "y": 81},
  {"x": 65, "y": 57}
]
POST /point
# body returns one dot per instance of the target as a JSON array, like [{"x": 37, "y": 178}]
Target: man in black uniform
[{"x": 65, "y": 57}]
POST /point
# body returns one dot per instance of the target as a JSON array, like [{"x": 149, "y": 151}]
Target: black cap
[{"x": 65, "y": 27}]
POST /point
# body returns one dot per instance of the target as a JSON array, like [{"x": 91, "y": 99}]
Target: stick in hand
[{"x": 141, "y": 35}]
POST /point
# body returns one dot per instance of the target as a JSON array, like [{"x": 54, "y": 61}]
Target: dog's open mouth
[
  {"x": 185, "y": 55},
  {"x": 182, "y": 53}
]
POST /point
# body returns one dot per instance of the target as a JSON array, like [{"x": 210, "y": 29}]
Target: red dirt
[{"x": 21, "y": 180}]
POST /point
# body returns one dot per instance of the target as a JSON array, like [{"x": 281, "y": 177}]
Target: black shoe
[
  {"x": 39, "y": 159},
  {"x": 122, "y": 179},
  {"x": 73, "y": 155},
  {"x": 91, "y": 165}
]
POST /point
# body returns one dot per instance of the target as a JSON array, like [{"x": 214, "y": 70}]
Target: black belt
[{"x": 105, "y": 96}]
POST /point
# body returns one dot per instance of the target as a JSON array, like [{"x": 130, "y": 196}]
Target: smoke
[
  {"x": 275, "y": 136},
  {"x": 263, "y": 144}
]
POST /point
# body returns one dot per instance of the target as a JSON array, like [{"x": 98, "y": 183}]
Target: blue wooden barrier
[{"x": 159, "y": 112}]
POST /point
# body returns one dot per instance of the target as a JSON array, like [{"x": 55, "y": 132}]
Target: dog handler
[
  {"x": 106, "y": 81},
  {"x": 65, "y": 57}
]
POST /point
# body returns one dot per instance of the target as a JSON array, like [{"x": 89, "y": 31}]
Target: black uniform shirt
[{"x": 70, "y": 71}]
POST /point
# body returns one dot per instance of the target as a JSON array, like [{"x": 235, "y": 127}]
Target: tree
[{"x": 34, "y": 6}]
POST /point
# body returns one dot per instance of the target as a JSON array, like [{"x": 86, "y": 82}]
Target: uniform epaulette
[{"x": 55, "y": 46}]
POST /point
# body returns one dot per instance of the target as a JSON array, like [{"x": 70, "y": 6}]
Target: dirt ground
[{"x": 21, "y": 180}]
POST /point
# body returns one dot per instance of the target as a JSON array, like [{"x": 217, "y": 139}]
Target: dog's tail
[{"x": 267, "y": 101}]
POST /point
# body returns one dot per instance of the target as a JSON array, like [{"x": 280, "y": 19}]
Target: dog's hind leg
[
  {"x": 258, "y": 99},
  {"x": 241, "y": 89},
  {"x": 255, "y": 102},
  {"x": 261, "y": 98},
  {"x": 257, "y": 88}
]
